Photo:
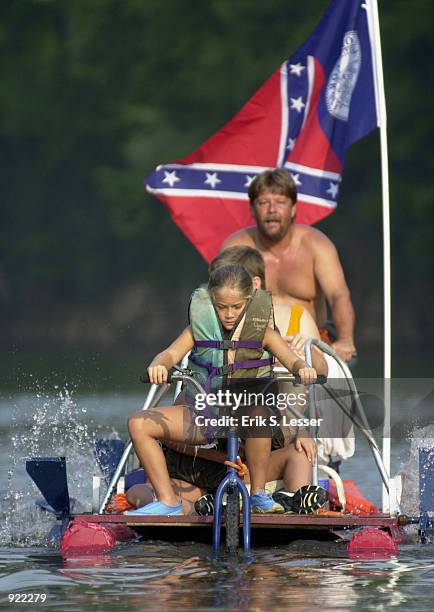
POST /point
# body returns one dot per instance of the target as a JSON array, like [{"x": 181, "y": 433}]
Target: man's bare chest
[{"x": 291, "y": 276}]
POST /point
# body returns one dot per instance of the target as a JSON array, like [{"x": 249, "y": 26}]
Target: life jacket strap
[
  {"x": 225, "y": 345},
  {"x": 211, "y": 369},
  {"x": 228, "y": 368},
  {"x": 251, "y": 363}
]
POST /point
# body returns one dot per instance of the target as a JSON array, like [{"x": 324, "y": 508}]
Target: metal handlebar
[{"x": 177, "y": 374}]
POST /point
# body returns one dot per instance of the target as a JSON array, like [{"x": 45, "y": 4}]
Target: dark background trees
[{"x": 94, "y": 94}]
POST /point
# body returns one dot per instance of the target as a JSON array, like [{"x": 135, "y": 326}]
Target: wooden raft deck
[{"x": 269, "y": 521}]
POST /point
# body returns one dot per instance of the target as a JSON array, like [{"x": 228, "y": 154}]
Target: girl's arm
[
  {"x": 296, "y": 344},
  {"x": 276, "y": 345},
  {"x": 165, "y": 360}
]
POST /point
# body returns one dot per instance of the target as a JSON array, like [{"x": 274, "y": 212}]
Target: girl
[{"x": 236, "y": 310}]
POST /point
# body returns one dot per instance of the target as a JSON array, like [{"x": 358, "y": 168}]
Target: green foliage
[{"x": 95, "y": 94}]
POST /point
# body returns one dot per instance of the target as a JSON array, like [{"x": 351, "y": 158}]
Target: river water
[{"x": 54, "y": 417}]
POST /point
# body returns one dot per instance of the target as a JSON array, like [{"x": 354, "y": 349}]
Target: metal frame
[
  {"x": 232, "y": 479},
  {"x": 362, "y": 426}
]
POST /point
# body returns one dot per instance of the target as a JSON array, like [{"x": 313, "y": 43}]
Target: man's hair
[
  {"x": 278, "y": 181},
  {"x": 246, "y": 256}
]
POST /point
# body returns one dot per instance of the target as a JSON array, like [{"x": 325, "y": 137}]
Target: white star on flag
[
  {"x": 170, "y": 178},
  {"x": 333, "y": 189},
  {"x": 296, "y": 179},
  {"x": 211, "y": 179},
  {"x": 249, "y": 179},
  {"x": 297, "y": 103},
  {"x": 296, "y": 69},
  {"x": 291, "y": 143}
]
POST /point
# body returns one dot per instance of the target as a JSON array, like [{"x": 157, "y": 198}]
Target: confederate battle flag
[{"x": 303, "y": 118}]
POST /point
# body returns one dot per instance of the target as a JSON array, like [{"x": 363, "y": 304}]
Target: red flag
[{"x": 303, "y": 118}]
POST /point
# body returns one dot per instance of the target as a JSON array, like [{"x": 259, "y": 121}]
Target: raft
[{"x": 95, "y": 533}]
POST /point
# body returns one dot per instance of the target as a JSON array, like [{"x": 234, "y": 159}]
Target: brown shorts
[{"x": 203, "y": 473}]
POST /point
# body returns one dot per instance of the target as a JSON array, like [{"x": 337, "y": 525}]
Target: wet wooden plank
[{"x": 270, "y": 521}]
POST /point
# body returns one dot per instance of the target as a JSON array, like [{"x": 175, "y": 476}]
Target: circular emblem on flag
[{"x": 343, "y": 78}]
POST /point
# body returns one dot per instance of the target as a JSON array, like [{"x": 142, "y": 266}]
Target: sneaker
[
  {"x": 157, "y": 507},
  {"x": 263, "y": 503},
  {"x": 304, "y": 501},
  {"x": 204, "y": 506}
]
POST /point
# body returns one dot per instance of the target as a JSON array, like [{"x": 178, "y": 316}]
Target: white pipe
[
  {"x": 364, "y": 425},
  {"x": 312, "y": 408},
  {"x": 380, "y": 99},
  {"x": 178, "y": 386},
  {"x": 340, "y": 490}
]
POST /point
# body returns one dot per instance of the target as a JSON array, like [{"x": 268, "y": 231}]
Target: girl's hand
[
  {"x": 307, "y": 375},
  {"x": 157, "y": 374},
  {"x": 308, "y": 446}
]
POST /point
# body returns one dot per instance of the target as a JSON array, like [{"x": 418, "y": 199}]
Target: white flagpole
[{"x": 380, "y": 99}]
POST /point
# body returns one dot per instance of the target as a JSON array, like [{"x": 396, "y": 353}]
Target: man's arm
[
  {"x": 241, "y": 237},
  {"x": 330, "y": 276}
]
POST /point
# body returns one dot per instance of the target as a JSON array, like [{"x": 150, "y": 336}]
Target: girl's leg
[
  {"x": 146, "y": 428},
  {"x": 258, "y": 454},
  {"x": 257, "y": 444}
]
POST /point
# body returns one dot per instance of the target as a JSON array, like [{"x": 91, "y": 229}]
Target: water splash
[
  {"x": 46, "y": 425},
  {"x": 419, "y": 438}
]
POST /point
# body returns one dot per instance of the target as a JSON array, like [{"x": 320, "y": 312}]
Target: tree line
[{"x": 95, "y": 94}]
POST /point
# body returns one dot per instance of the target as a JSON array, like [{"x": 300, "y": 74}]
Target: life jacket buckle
[
  {"x": 230, "y": 344},
  {"x": 223, "y": 370}
]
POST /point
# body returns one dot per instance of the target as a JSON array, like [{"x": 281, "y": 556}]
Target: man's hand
[
  {"x": 345, "y": 348},
  {"x": 307, "y": 445}
]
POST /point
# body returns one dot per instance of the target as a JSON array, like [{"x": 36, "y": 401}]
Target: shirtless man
[{"x": 302, "y": 264}]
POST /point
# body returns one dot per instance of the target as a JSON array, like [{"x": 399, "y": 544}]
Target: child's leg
[
  {"x": 296, "y": 470},
  {"x": 293, "y": 467},
  {"x": 258, "y": 454},
  {"x": 147, "y": 428},
  {"x": 257, "y": 435},
  {"x": 142, "y": 494}
]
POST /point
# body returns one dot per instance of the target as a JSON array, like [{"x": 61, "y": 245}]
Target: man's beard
[{"x": 274, "y": 235}]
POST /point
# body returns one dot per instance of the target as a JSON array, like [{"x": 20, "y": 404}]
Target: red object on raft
[
  {"x": 356, "y": 502},
  {"x": 371, "y": 542}
]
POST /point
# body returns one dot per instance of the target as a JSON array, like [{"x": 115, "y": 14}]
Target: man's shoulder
[
  {"x": 245, "y": 236},
  {"x": 312, "y": 237}
]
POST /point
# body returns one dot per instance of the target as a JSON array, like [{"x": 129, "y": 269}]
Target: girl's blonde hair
[{"x": 233, "y": 276}]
